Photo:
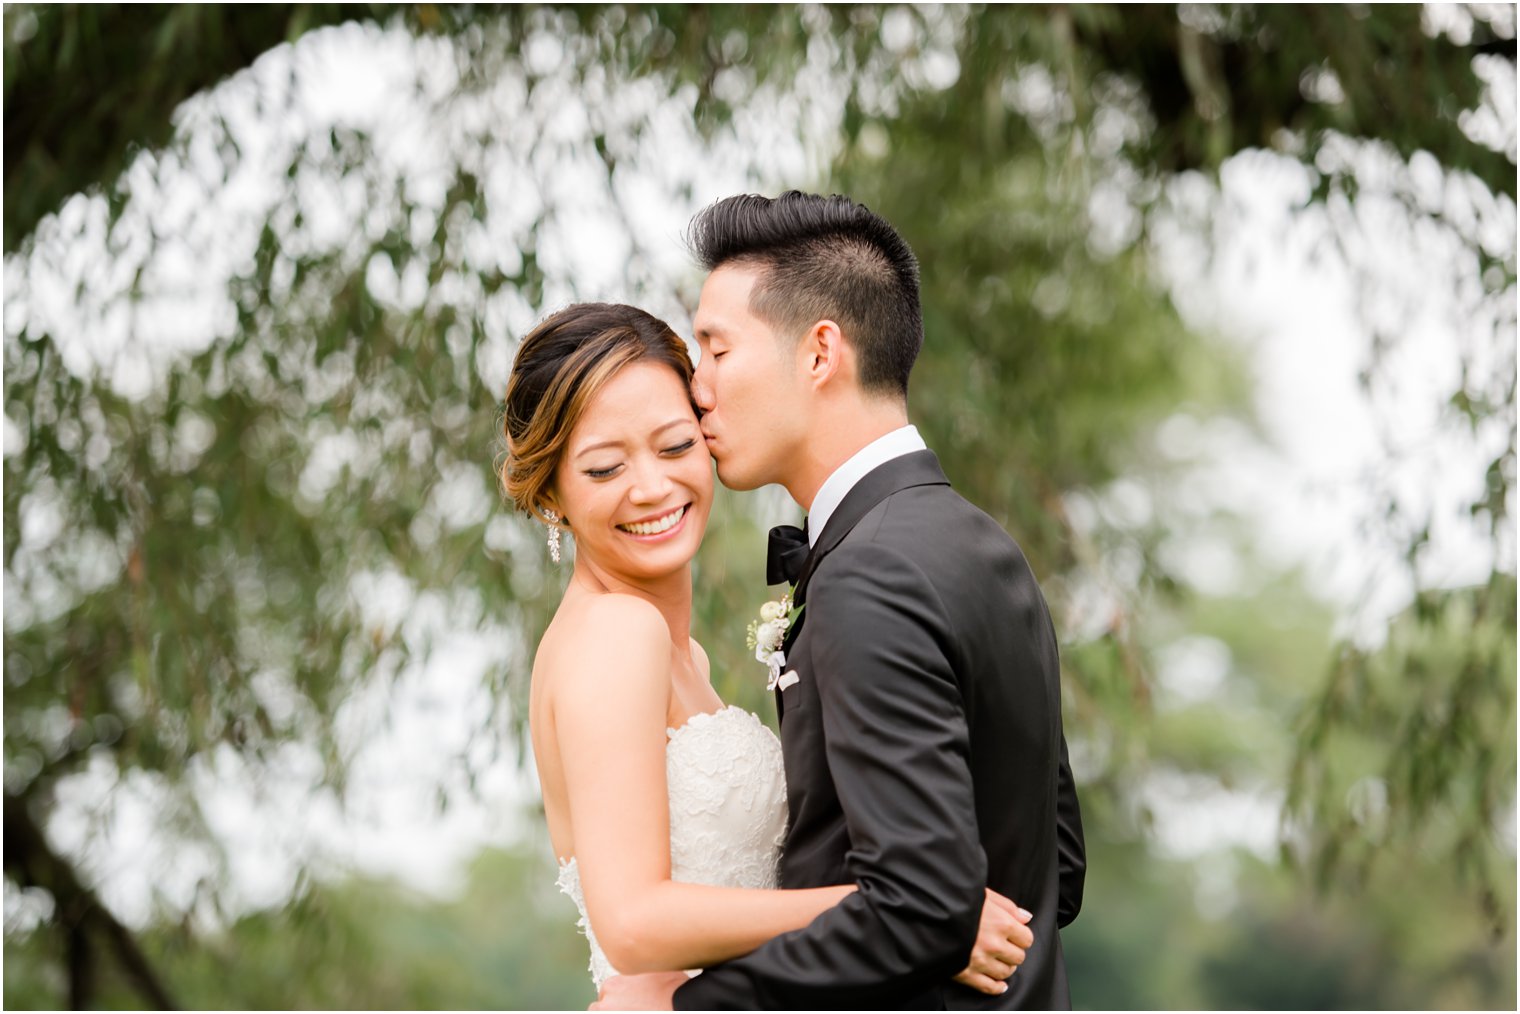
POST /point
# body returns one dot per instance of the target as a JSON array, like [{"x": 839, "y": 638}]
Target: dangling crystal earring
[{"x": 553, "y": 535}]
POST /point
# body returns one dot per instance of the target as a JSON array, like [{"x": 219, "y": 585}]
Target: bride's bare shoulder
[
  {"x": 603, "y": 635},
  {"x": 594, "y": 621}
]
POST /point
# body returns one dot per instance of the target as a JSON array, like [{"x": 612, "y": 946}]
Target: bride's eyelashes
[{"x": 611, "y": 470}]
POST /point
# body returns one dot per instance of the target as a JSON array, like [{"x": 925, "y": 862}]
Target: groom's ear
[{"x": 823, "y": 351}]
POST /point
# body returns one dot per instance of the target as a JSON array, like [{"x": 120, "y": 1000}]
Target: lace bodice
[{"x": 727, "y": 811}]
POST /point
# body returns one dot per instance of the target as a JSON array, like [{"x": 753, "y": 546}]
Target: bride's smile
[{"x": 657, "y": 526}]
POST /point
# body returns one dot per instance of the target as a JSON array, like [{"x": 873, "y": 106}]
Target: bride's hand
[{"x": 1001, "y": 942}]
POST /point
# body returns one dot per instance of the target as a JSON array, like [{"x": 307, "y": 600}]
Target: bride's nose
[{"x": 651, "y": 481}]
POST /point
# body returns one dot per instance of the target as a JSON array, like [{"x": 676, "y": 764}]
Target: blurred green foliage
[
  {"x": 192, "y": 561},
  {"x": 361, "y": 944}
]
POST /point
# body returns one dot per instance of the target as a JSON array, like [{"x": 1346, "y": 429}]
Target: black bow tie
[{"x": 785, "y": 554}]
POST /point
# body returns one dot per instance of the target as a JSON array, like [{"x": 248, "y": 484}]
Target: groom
[{"x": 920, "y": 705}]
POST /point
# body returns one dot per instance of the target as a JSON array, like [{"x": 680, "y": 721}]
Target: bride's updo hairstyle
[{"x": 560, "y": 367}]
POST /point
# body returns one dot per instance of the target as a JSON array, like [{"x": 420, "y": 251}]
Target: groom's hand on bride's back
[{"x": 1001, "y": 942}]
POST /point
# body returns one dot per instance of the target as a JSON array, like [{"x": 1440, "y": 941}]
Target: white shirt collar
[{"x": 834, "y": 489}]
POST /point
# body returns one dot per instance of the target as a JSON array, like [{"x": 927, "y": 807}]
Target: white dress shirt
[{"x": 878, "y": 452}]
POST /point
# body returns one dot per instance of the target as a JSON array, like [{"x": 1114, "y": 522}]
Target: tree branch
[{"x": 30, "y": 859}]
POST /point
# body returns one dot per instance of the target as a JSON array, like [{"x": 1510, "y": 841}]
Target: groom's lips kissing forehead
[{"x": 707, "y": 434}]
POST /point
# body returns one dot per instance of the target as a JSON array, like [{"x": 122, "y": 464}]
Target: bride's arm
[{"x": 609, "y": 702}]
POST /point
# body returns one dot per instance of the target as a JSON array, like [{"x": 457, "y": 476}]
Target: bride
[{"x": 667, "y": 809}]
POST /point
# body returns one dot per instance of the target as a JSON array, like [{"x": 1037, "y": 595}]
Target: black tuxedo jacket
[{"x": 924, "y": 759}]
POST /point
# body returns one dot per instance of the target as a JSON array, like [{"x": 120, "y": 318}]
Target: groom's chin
[{"x": 738, "y": 482}]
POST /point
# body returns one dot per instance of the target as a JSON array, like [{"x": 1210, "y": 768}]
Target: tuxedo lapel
[{"x": 920, "y": 468}]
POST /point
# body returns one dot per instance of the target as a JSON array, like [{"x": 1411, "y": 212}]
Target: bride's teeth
[{"x": 656, "y": 527}]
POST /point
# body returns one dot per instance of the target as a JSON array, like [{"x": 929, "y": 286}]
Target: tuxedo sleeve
[
  {"x": 897, "y": 747},
  {"x": 1071, "y": 848}
]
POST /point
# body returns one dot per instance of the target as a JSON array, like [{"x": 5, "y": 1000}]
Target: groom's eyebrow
[{"x": 618, "y": 443}]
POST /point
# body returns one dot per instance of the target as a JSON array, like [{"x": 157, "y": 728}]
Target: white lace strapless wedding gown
[{"x": 727, "y": 811}]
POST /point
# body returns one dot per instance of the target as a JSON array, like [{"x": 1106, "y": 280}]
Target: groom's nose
[{"x": 701, "y": 390}]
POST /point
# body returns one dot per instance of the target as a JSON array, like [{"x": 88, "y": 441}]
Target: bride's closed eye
[{"x": 611, "y": 470}]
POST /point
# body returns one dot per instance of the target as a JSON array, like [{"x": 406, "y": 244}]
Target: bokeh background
[{"x": 1221, "y": 307}]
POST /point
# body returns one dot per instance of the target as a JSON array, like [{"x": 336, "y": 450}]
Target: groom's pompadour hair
[{"x": 823, "y": 258}]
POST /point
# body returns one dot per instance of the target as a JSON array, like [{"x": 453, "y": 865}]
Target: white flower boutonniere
[{"x": 768, "y": 634}]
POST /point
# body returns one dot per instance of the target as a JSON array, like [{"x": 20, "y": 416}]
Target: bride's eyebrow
[
  {"x": 618, "y": 443},
  {"x": 673, "y": 423},
  {"x": 597, "y": 447}
]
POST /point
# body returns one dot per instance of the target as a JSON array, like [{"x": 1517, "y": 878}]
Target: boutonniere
[{"x": 768, "y": 634}]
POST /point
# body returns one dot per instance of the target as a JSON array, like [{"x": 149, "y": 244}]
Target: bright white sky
[{"x": 1272, "y": 285}]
